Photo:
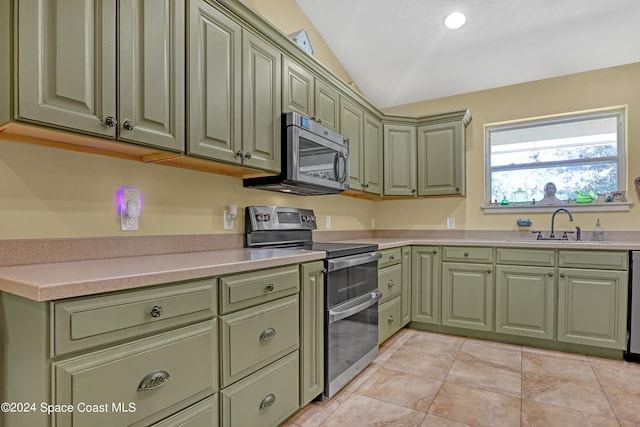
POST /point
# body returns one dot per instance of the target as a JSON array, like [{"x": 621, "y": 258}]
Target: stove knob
[
  {"x": 259, "y": 217},
  {"x": 267, "y": 217},
  {"x": 304, "y": 218}
]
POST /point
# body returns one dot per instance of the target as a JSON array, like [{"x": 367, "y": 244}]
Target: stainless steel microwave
[{"x": 315, "y": 160}]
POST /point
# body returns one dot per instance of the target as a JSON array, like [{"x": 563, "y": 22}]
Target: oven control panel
[{"x": 264, "y": 218}]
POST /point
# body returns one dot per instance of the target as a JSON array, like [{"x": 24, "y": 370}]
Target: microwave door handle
[
  {"x": 355, "y": 306},
  {"x": 336, "y": 171},
  {"x": 344, "y": 169}
]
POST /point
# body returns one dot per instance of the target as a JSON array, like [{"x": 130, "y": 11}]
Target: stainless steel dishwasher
[{"x": 633, "y": 349}]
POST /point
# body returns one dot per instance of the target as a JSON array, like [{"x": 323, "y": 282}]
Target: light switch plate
[
  {"x": 328, "y": 222},
  {"x": 451, "y": 223}
]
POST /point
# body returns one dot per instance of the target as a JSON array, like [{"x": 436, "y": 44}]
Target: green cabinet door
[
  {"x": 261, "y": 103},
  {"x": 592, "y": 307},
  {"x": 66, "y": 69},
  {"x": 425, "y": 284},
  {"x": 441, "y": 153},
  {"x": 440, "y": 159},
  {"x": 389, "y": 318},
  {"x": 73, "y": 66},
  {"x": 151, "y": 95},
  {"x": 215, "y": 84},
  {"x": 372, "y": 147},
  {"x": 467, "y": 295},
  {"x": 399, "y": 160},
  {"x": 525, "y": 301},
  {"x": 327, "y": 105},
  {"x": 405, "y": 297},
  {"x": 311, "y": 331},
  {"x": 298, "y": 88},
  {"x": 352, "y": 126}
]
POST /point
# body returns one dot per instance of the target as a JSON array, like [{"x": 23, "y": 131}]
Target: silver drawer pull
[
  {"x": 156, "y": 311},
  {"x": 268, "y": 401},
  {"x": 391, "y": 283},
  {"x": 391, "y": 318},
  {"x": 154, "y": 380},
  {"x": 267, "y": 334},
  {"x": 270, "y": 287}
]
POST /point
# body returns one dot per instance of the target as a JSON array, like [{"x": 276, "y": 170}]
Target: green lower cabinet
[
  {"x": 592, "y": 307},
  {"x": 265, "y": 398},
  {"x": 140, "y": 382},
  {"x": 202, "y": 414},
  {"x": 467, "y": 295},
  {"x": 389, "y": 318},
  {"x": 405, "y": 296},
  {"x": 311, "y": 331},
  {"x": 425, "y": 284},
  {"x": 525, "y": 301}
]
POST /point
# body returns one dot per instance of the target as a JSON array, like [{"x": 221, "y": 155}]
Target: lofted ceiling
[{"x": 398, "y": 51}]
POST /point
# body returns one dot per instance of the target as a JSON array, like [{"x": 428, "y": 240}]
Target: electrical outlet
[
  {"x": 328, "y": 222},
  {"x": 228, "y": 222},
  {"x": 451, "y": 223}
]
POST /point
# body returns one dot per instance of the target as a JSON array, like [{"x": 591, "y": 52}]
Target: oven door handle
[
  {"x": 352, "y": 261},
  {"x": 352, "y": 307}
]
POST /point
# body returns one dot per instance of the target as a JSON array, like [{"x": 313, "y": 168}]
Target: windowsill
[{"x": 580, "y": 207}]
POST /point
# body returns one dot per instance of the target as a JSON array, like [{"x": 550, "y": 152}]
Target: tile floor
[{"x": 428, "y": 379}]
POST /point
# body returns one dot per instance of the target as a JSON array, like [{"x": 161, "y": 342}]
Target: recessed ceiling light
[{"x": 455, "y": 20}]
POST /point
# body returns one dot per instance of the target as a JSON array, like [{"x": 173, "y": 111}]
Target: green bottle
[{"x": 504, "y": 201}]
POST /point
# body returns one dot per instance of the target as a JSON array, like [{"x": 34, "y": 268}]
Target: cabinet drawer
[
  {"x": 389, "y": 319},
  {"x": 86, "y": 322},
  {"x": 603, "y": 260},
  {"x": 202, "y": 414},
  {"x": 467, "y": 254},
  {"x": 265, "y": 398},
  {"x": 248, "y": 289},
  {"x": 390, "y": 281},
  {"x": 253, "y": 338},
  {"x": 534, "y": 257},
  {"x": 115, "y": 377},
  {"x": 390, "y": 257}
]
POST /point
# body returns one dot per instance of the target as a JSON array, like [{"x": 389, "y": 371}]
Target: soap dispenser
[{"x": 598, "y": 232}]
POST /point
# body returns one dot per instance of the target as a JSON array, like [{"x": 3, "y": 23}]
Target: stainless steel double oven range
[{"x": 351, "y": 288}]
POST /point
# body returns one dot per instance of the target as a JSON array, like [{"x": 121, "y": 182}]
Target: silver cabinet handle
[
  {"x": 267, "y": 334},
  {"x": 128, "y": 125},
  {"x": 111, "y": 121},
  {"x": 391, "y": 283},
  {"x": 269, "y": 287},
  {"x": 435, "y": 251},
  {"x": 466, "y": 254},
  {"x": 154, "y": 380},
  {"x": 268, "y": 401},
  {"x": 550, "y": 274},
  {"x": 239, "y": 154},
  {"x": 391, "y": 318},
  {"x": 156, "y": 311},
  {"x": 391, "y": 258},
  {"x": 489, "y": 271},
  {"x": 247, "y": 155}
]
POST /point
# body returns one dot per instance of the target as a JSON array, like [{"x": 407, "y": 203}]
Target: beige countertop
[
  {"x": 49, "y": 281},
  {"x": 388, "y": 243}
]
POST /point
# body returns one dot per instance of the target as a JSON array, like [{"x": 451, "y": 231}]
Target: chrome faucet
[{"x": 553, "y": 220}]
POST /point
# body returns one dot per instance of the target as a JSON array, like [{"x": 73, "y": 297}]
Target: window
[{"x": 578, "y": 152}]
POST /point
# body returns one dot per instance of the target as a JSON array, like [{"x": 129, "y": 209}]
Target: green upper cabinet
[
  {"x": 399, "y": 160},
  {"x": 352, "y": 127},
  {"x": 298, "y": 88},
  {"x": 88, "y": 72},
  {"x": 261, "y": 103},
  {"x": 327, "y": 111},
  {"x": 372, "y": 147},
  {"x": 441, "y": 160},
  {"x": 215, "y": 84}
]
